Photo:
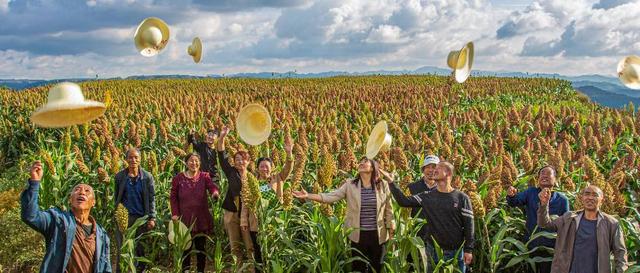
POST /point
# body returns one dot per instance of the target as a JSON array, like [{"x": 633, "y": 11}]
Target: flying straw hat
[
  {"x": 254, "y": 124},
  {"x": 379, "y": 140},
  {"x": 461, "y": 62},
  {"x": 195, "y": 50},
  {"x": 629, "y": 71},
  {"x": 151, "y": 36},
  {"x": 182, "y": 230},
  {"x": 66, "y": 106}
]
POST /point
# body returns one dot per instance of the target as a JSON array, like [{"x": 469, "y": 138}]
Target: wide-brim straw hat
[
  {"x": 151, "y": 36},
  {"x": 66, "y": 106},
  {"x": 195, "y": 50},
  {"x": 182, "y": 229},
  {"x": 379, "y": 140},
  {"x": 254, "y": 124},
  {"x": 461, "y": 62},
  {"x": 629, "y": 71}
]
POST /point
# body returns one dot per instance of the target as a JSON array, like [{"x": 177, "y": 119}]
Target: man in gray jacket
[{"x": 586, "y": 238}]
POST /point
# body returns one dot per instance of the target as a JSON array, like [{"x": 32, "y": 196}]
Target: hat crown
[
  {"x": 629, "y": 71},
  {"x": 191, "y": 51},
  {"x": 65, "y": 92},
  {"x": 152, "y": 36},
  {"x": 254, "y": 124}
]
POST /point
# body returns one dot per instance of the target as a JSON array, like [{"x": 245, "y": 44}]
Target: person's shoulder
[
  {"x": 121, "y": 174},
  {"x": 610, "y": 219}
]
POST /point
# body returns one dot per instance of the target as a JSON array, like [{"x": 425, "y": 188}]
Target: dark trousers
[
  {"x": 199, "y": 244},
  {"x": 257, "y": 253},
  {"x": 140, "y": 266},
  {"x": 371, "y": 250},
  {"x": 543, "y": 267}
]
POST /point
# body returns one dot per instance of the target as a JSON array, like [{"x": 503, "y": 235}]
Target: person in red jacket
[{"x": 189, "y": 204}]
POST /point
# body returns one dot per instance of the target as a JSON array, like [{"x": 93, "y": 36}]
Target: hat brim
[
  {"x": 246, "y": 116},
  {"x": 197, "y": 46},
  {"x": 463, "y": 73},
  {"x": 137, "y": 37},
  {"x": 67, "y": 114},
  {"x": 629, "y": 72},
  {"x": 376, "y": 139}
]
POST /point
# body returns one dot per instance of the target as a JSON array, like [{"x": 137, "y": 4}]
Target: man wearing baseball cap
[{"x": 425, "y": 183}]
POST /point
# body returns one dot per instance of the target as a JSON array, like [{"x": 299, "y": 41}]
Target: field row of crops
[{"x": 497, "y": 133}]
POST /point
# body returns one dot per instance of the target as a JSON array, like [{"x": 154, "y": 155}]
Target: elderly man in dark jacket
[
  {"x": 587, "y": 238},
  {"x": 134, "y": 188}
]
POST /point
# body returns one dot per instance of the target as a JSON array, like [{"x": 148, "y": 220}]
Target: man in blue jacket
[
  {"x": 558, "y": 205},
  {"x": 75, "y": 243},
  {"x": 134, "y": 188}
]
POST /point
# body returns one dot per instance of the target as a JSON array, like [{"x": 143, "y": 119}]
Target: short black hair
[
  {"x": 550, "y": 167},
  {"x": 263, "y": 159}
]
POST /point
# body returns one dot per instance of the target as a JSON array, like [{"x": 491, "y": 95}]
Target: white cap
[{"x": 430, "y": 159}]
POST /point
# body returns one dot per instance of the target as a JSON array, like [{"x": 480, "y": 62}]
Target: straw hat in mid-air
[
  {"x": 379, "y": 140},
  {"x": 195, "y": 50},
  {"x": 151, "y": 36},
  {"x": 629, "y": 71},
  {"x": 461, "y": 62},
  {"x": 253, "y": 124},
  {"x": 66, "y": 106}
]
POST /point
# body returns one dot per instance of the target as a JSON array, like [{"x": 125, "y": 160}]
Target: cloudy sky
[{"x": 44, "y": 39}]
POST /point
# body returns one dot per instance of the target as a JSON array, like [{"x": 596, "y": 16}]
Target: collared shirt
[
  {"x": 558, "y": 205},
  {"x": 83, "y": 249}
]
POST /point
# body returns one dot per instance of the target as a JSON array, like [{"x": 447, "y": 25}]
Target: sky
[{"x": 47, "y": 39}]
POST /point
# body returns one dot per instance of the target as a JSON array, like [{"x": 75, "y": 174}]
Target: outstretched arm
[{"x": 30, "y": 212}]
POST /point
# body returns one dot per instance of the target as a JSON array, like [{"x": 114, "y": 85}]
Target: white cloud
[{"x": 571, "y": 37}]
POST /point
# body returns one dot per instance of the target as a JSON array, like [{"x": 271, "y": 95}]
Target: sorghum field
[{"x": 496, "y": 131}]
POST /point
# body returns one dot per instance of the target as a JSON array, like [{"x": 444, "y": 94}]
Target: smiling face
[
  {"x": 265, "y": 168},
  {"x": 365, "y": 166},
  {"x": 429, "y": 172},
  {"x": 82, "y": 197},
  {"x": 193, "y": 163},
  {"x": 241, "y": 161},
  {"x": 211, "y": 137},
  {"x": 591, "y": 198},
  {"x": 547, "y": 178}
]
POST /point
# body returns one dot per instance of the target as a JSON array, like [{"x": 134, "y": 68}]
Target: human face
[
  {"x": 82, "y": 197},
  {"x": 240, "y": 163},
  {"x": 429, "y": 172},
  {"x": 441, "y": 172},
  {"x": 133, "y": 159},
  {"x": 265, "y": 168},
  {"x": 365, "y": 166},
  {"x": 547, "y": 178},
  {"x": 591, "y": 198},
  {"x": 193, "y": 163},
  {"x": 211, "y": 137}
]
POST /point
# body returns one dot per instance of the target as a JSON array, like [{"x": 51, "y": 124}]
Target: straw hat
[
  {"x": 254, "y": 124},
  {"x": 183, "y": 230},
  {"x": 195, "y": 49},
  {"x": 629, "y": 71},
  {"x": 461, "y": 61},
  {"x": 151, "y": 36},
  {"x": 66, "y": 106},
  {"x": 379, "y": 140}
]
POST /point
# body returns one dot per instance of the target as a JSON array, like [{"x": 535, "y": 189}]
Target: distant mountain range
[{"x": 607, "y": 91}]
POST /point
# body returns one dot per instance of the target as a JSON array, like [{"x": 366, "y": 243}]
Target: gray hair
[
  {"x": 131, "y": 149},
  {"x": 598, "y": 190},
  {"x": 76, "y": 186}
]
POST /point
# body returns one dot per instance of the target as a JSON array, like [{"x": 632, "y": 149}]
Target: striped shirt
[{"x": 368, "y": 209}]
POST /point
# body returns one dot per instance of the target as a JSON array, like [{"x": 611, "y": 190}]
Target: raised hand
[
  {"x": 301, "y": 194},
  {"x": 36, "y": 171},
  {"x": 544, "y": 196},
  {"x": 288, "y": 144},
  {"x": 224, "y": 132},
  {"x": 512, "y": 191},
  {"x": 389, "y": 177}
]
